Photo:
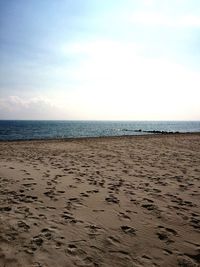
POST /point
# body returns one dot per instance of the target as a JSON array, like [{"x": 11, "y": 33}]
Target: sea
[{"x": 35, "y": 129}]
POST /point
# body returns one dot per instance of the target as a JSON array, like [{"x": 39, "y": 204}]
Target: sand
[{"x": 124, "y": 201}]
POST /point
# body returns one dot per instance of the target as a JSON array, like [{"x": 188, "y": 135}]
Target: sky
[{"x": 100, "y": 59}]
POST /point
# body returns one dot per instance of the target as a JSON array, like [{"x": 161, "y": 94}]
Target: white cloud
[
  {"x": 143, "y": 89},
  {"x": 189, "y": 21},
  {"x": 161, "y": 19},
  {"x": 100, "y": 47},
  {"x": 102, "y": 59},
  {"x": 14, "y": 101},
  {"x": 115, "y": 81},
  {"x": 132, "y": 88},
  {"x": 38, "y": 107}
]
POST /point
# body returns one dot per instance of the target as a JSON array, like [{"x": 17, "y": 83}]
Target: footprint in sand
[
  {"x": 195, "y": 221},
  {"x": 100, "y": 210},
  {"x": 123, "y": 255},
  {"x": 128, "y": 230},
  {"x": 74, "y": 203},
  {"x": 112, "y": 199},
  {"x": 166, "y": 234},
  {"x": 22, "y": 226},
  {"x": 29, "y": 184},
  {"x": 79, "y": 256},
  {"x": 5, "y": 209},
  {"x": 124, "y": 216},
  {"x": 51, "y": 194},
  {"x": 84, "y": 194},
  {"x": 35, "y": 243},
  {"x": 93, "y": 230},
  {"x": 72, "y": 249},
  {"x": 185, "y": 261},
  {"x": 113, "y": 240},
  {"x": 69, "y": 218}
]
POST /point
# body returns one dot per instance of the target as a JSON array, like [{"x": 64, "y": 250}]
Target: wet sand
[{"x": 123, "y": 201}]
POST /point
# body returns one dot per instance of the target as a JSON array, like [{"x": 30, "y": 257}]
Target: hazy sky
[{"x": 100, "y": 59}]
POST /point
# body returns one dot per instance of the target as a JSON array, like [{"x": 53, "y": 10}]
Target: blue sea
[{"x": 28, "y": 130}]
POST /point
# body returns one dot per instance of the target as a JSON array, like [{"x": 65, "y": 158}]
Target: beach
[{"x": 110, "y": 201}]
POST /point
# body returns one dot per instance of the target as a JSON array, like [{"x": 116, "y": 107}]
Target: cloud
[
  {"x": 160, "y": 19},
  {"x": 189, "y": 21},
  {"x": 39, "y": 107},
  {"x": 134, "y": 88},
  {"x": 14, "y": 101},
  {"x": 101, "y": 59},
  {"x": 100, "y": 47}
]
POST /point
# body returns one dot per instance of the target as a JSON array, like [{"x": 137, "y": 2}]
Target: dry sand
[{"x": 124, "y": 201}]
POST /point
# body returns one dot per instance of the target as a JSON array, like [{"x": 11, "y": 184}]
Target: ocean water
[{"x": 28, "y": 130}]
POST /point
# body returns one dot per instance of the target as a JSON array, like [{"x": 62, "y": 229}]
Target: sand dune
[{"x": 123, "y": 201}]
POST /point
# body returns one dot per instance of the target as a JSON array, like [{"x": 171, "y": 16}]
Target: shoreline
[{"x": 100, "y": 137}]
